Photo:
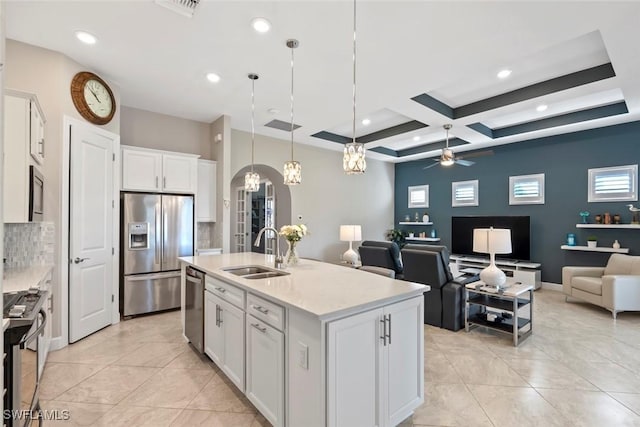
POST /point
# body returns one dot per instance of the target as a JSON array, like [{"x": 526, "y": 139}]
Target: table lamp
[
  {"x": 492, "y": 241},
  {"x": 350, "y": 233}
]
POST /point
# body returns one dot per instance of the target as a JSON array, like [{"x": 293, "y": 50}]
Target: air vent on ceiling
[
  {"x": 183, "y": 7},
  {"x": 280, "y": 125}
]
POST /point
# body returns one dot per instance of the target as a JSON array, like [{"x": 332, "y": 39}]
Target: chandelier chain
[
  {"x": 354, "y": 72},
  {"x": 292, "y": 126}
]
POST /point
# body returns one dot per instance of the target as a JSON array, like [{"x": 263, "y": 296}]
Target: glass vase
[{"x": 291, "y": 257}]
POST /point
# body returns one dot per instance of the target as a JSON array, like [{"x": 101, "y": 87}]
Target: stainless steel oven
[{"x": 36, "y": 194}]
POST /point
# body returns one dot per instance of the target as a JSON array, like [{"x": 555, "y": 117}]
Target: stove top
[{"x": 22, "y": 307}]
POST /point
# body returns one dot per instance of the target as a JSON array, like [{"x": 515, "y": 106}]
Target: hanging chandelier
[
  {"x": 353, "y": 161},
  {"x": 292, "y": 169},
  {"x": 252, "y": 179}
]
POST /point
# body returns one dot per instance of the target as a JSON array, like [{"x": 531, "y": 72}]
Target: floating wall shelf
[
  {"x": 415, "y": 223},
  {"x": 424, "y": 239},
  {"x": 596, "y": 249},
  {"x": 636, "y": 226}
]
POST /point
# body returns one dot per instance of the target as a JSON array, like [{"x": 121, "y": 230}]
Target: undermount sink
[
  {"x": 248, "y": 269},
  {"x": 254, "y": 272}
]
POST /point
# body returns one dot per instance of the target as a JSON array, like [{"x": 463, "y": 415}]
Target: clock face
[
  {"x": 93, "y": 98},
  {"x": 97, "y": 98}
]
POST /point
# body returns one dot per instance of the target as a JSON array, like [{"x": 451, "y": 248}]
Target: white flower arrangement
[{"x": 293, "y": 233}]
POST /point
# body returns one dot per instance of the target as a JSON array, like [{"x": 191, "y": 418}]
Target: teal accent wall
[{"x": 564, "y": 159}]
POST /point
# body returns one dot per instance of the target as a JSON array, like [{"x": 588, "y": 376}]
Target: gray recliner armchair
[
  {"x": 429, "y": 264},
  {"x": 381, "y": 254}
]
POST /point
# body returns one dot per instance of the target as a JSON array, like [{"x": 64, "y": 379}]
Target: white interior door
[
  {"x": 91, "y": 210},
  {"x": 241, "y": 220}
]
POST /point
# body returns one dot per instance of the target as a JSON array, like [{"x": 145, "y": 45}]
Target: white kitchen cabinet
[
  {"x": 224, "y": 337},
  {"x": 265, "y": 369},
  {"x": 372, "y": 359},
  {"x": 145, "y": 169},
  {"x": 206, "y": 196},
  {"x": 23, "y": 147}
]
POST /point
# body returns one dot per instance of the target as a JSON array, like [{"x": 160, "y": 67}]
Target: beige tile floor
[{"x": 579, "y": 368}]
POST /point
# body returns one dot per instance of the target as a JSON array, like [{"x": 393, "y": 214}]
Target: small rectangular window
[
  {"x": 526, "y": 189},
  {"x": 613, "y": 184},
  {"x": 419, "y": 196},
  {"x": 464, "y": 193}
]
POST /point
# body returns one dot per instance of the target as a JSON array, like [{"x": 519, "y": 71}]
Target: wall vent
[
  {"x": 280, "y": 125},
  {"x": 183, "y": 7}
]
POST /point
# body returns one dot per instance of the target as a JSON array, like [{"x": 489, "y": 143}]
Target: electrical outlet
[{"x": 303, "y": 355}]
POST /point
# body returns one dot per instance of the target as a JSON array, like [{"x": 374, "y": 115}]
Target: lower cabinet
[
  {"x": 224, "y": 337},
  {"x": 374, "y": 366},
  {"x": 265, "y": 369}
]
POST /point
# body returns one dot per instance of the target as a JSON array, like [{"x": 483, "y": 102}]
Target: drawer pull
[
  {"x": 257, "y": 326},
  {"x": 221, "y": 290},
  {"x": 261, "y": 309}
]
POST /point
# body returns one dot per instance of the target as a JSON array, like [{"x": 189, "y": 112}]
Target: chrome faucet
[{"x": 279, "y": 260}]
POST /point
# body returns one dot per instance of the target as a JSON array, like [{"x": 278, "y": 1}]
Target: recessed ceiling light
[
  {"x": 85, "y": 37},
  {"x": 416, "y": 138},
  {"x": 261, "y": 25},
  {"x": 213, "y": 77},
  {"x": 366, "y": 122},
  {"x": 541, "y": 108},
  {"x": 503, "y": 74}
]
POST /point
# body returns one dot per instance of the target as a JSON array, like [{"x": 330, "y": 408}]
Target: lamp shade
[
  {"x": 492, "y": 240},
  {"x": 350, "y": 233}
]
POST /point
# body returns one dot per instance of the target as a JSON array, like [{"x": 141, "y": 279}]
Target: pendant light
[
  {"x": 353, "y": 161},
  {"x": 292, "y": 169},
  {"x": 252, "y": 179}
]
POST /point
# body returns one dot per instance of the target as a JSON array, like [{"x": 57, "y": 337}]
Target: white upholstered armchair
[{"x": 615, "y": 287}]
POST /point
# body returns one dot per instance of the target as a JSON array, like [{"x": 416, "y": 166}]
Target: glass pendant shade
[
  {"x": 292, "y": 172},
  {"x": 251, "y": 181},
  {"x": 353, "y": 161}
]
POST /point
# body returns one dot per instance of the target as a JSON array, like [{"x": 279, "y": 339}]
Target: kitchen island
[{"x": 323, "y": 345}]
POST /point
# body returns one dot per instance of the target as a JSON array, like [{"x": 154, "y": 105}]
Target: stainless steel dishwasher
[{"x": 194, "y": 308}]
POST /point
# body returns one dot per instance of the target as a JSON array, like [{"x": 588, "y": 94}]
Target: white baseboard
[
  {"x": 552, "y": 286},
  {"x": 57, "y": 343}
]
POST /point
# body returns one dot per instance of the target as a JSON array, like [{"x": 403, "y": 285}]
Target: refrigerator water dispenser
[{"x": 138, "y": 235}]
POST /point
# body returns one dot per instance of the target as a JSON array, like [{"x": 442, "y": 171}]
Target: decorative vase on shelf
[
  {"x": 616, "y": 245},
  {"x": 291, "y": 257},
  {"x": 592, "y": 243},
  {"x": 425, "y": 218}
]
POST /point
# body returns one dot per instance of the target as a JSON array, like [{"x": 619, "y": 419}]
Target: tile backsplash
[
  {"x": 27, "y": 244},
  {"x": 204, "y": 239}
]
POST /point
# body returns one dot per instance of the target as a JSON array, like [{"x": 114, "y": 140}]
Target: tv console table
[{"x": 521, "y": 271}]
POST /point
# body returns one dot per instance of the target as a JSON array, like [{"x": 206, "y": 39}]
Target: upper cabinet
[
  {"x": 23, "y": 147},
  {"x": 144, "y": 169},
  {"x": 206, "y": 196}
]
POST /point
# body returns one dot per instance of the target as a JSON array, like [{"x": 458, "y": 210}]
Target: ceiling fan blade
[
  {"x": 435, "y": 164},
  {"x": 476, "y": 154},
  {"x": 464, "y": 162}
]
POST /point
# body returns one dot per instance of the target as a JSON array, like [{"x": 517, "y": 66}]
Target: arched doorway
[{"x": 250, "y": 212}]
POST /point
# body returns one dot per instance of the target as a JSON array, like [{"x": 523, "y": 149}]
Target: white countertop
[
  {"x": 20, "y": 279},
  {"x": 319, "y": 288}
]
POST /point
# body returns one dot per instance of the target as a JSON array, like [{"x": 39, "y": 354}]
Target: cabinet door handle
[
  {"x": 384, "y": 330},
  {"x": 220, "y": 315},
  {"x": 261, "y": 309},
  {"x": 156, "y": 182},
  {"x": 164, "y": 182},
  {"x": 257, "y": 326},
  {"x": 221, "y": 290},
  {"x": 217, "y": 315},
  {"x": 388, "y": 335}
]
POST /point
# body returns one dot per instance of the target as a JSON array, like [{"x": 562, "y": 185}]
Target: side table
[{"x": 500, "y": 310}]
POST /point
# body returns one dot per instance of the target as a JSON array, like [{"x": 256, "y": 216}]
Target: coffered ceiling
[{"x": 420, "y": 65}]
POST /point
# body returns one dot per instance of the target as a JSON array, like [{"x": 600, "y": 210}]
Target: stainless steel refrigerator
[{"x": 156, "y": 230}]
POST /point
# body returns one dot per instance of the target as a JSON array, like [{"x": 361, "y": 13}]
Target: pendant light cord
[
  {"x": 292, "y": 48},
  {"x": 354, "y": 71},
  {"x": 253, "y": 109}
]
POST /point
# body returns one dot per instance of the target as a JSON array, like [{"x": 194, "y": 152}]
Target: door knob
[{"x": 79, "y": 260}]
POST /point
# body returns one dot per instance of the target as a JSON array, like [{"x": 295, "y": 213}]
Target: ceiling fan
[{"x": 447, "y": 158}]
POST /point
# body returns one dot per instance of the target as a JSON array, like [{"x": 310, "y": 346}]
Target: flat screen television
[{"x": 462, "y": 234}]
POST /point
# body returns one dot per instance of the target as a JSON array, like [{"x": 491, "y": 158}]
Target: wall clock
[{"x": 93, "y": 98}]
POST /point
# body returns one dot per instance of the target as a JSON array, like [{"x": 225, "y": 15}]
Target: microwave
[{"x": 36, "y": 194}]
